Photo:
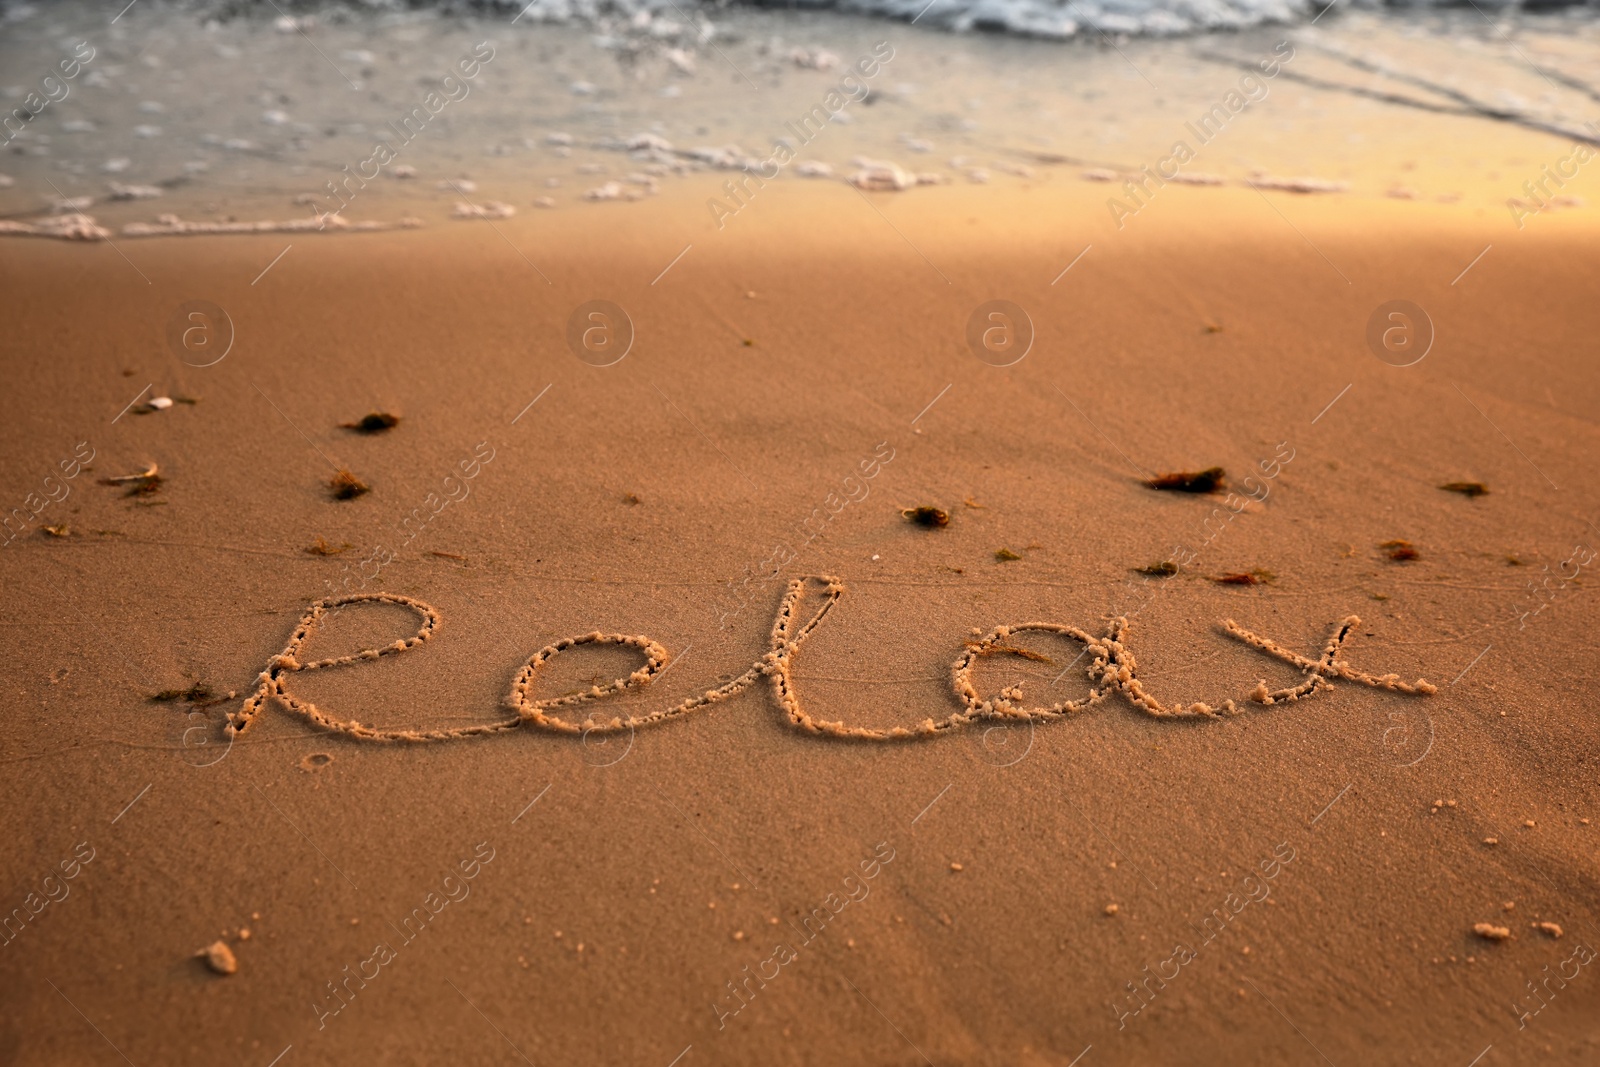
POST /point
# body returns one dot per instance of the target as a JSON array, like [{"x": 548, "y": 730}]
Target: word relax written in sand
[{"x": 1112, "y": 667}]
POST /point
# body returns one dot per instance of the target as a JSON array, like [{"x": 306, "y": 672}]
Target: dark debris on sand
[
  {"x": 1251, "y": 577},
  {"x": 198, "y": 693},
  {"x": 346, "y": 486},
  {"x": 1400, "y": 551},
  {"x": 373, "y": 422},
  {"x": 320, "y": 547},
  {"x": 927, "y": 516},
  {"x": 1210, "y": 480}
]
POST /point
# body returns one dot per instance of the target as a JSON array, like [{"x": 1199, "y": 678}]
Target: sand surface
[{"x": 1295, "y": 883}]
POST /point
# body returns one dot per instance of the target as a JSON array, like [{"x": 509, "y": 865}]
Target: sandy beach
[{"x": 653, "y": 420}]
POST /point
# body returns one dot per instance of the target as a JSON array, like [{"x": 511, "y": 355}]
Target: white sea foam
[
  {"x": 635, "y": 20},
  {"x": 1033, "y": 18}
]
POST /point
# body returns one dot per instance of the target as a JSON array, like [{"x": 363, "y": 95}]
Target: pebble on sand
[
  {"x": 881, "y": 177},
  {"x": 219, "y": 957},
  {"x": 489, "y": 209}
]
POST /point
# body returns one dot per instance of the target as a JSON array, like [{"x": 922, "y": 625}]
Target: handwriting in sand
[{"x": 1111, "y": 667}]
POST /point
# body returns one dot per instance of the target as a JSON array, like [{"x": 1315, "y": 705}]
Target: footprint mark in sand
[{"x": 1112, "y": 668}]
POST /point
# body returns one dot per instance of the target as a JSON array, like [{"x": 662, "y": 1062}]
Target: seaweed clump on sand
[
  {"x": 1401, "y": 551},
  {"x": 1210, "y": 480},
  {"x": 373, "y": 422},
  {"x": 927, "y": 516},
  {"x": 320, "y": 547},
  {"x": 1250, "y": 577},
  {"x": 346, "y": 486},
  {"x": 198, "y": 693},
  {"x": 1467, "y": 489}
]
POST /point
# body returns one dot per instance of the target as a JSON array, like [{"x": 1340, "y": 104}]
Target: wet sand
[
  {"x": 768, "y": 364},
  {"x": 763, "y": 402}
]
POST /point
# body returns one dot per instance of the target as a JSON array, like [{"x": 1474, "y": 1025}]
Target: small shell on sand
[
  {"x": 642, "y": 142},
  {"x": 145, "y": 475},
  {"x": 219, "y": 957},
  {"x": 1297, "y": 185},
  {"x": 1490, "y": 932},
  {"x": 133, "y": 192},
  {"x": 881, "y": 177},
  {"x": 160, "y": 403},
  {"x": 820, "y": 59},
  {"x": 491, "y": 209}
]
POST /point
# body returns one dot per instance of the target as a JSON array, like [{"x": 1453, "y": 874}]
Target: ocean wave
[
  {"x": 1049, "y": 19},
  {"x": 1065, "y": 19}
]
